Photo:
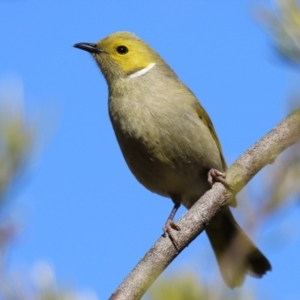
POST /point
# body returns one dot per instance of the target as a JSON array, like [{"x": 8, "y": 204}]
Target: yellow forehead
[{"x": 139, "y": 54}]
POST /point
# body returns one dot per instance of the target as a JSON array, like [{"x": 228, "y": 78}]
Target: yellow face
[{"x": 128, "y": 52}]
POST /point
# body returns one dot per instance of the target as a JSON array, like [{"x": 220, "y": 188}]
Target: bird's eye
[{"x": 122, "y": 49}]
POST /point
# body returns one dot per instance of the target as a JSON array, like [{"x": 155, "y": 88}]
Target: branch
[{"x": 193, "y": 222}]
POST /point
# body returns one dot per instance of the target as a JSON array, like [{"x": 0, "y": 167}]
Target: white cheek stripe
[{"x": 142, "y": 71}]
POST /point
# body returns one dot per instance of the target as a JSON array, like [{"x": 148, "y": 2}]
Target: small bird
[{"x": 170, "y": 144}]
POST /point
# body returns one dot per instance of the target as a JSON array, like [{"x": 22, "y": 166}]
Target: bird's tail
[{"x": 236, "y": 254}]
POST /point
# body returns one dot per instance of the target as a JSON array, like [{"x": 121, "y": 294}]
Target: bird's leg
[{"x": 170, "y": 224}]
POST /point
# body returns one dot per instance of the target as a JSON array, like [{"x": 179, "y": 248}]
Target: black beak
[{"x": 89, "y": 47}]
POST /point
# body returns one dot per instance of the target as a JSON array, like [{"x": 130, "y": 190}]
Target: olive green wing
[{"x": 207, "y": 121}]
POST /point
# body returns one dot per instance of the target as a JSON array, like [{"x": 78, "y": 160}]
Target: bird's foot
[
  {"x": 215, "y": 175},
  {"x": 168, "y": 228}
]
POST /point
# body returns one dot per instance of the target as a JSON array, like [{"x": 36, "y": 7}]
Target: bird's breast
[{"x": 165, "y": 144}]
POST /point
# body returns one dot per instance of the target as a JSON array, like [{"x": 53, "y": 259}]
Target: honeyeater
[{"x": 169, "y": 143}]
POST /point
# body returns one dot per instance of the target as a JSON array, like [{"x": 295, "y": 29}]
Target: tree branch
[{"x": 195, "y": 219}]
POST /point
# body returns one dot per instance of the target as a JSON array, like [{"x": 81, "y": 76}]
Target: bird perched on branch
[{"x": 170, "y": 144}]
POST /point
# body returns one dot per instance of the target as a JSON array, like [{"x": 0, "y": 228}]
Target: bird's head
[{"x": 122, "y": 55}]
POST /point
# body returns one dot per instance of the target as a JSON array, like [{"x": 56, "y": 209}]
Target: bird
[{"x": 170, "y": 144}]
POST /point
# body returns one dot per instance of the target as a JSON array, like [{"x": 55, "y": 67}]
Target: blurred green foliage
[
  {"x": 186, "y": 284},
  {"x": 283, "y": 24},
  {"x": 18, "y": 138}
]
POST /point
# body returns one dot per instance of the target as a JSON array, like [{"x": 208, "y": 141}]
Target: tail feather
[{"x": 236, "y": 254}]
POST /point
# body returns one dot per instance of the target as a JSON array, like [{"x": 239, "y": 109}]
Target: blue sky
[{"x": 84, "y": 211}]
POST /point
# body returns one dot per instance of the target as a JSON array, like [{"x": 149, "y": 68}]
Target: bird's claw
[
  {"x": 215, "y": 175},
  {"x": 168, "y": 228}
]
